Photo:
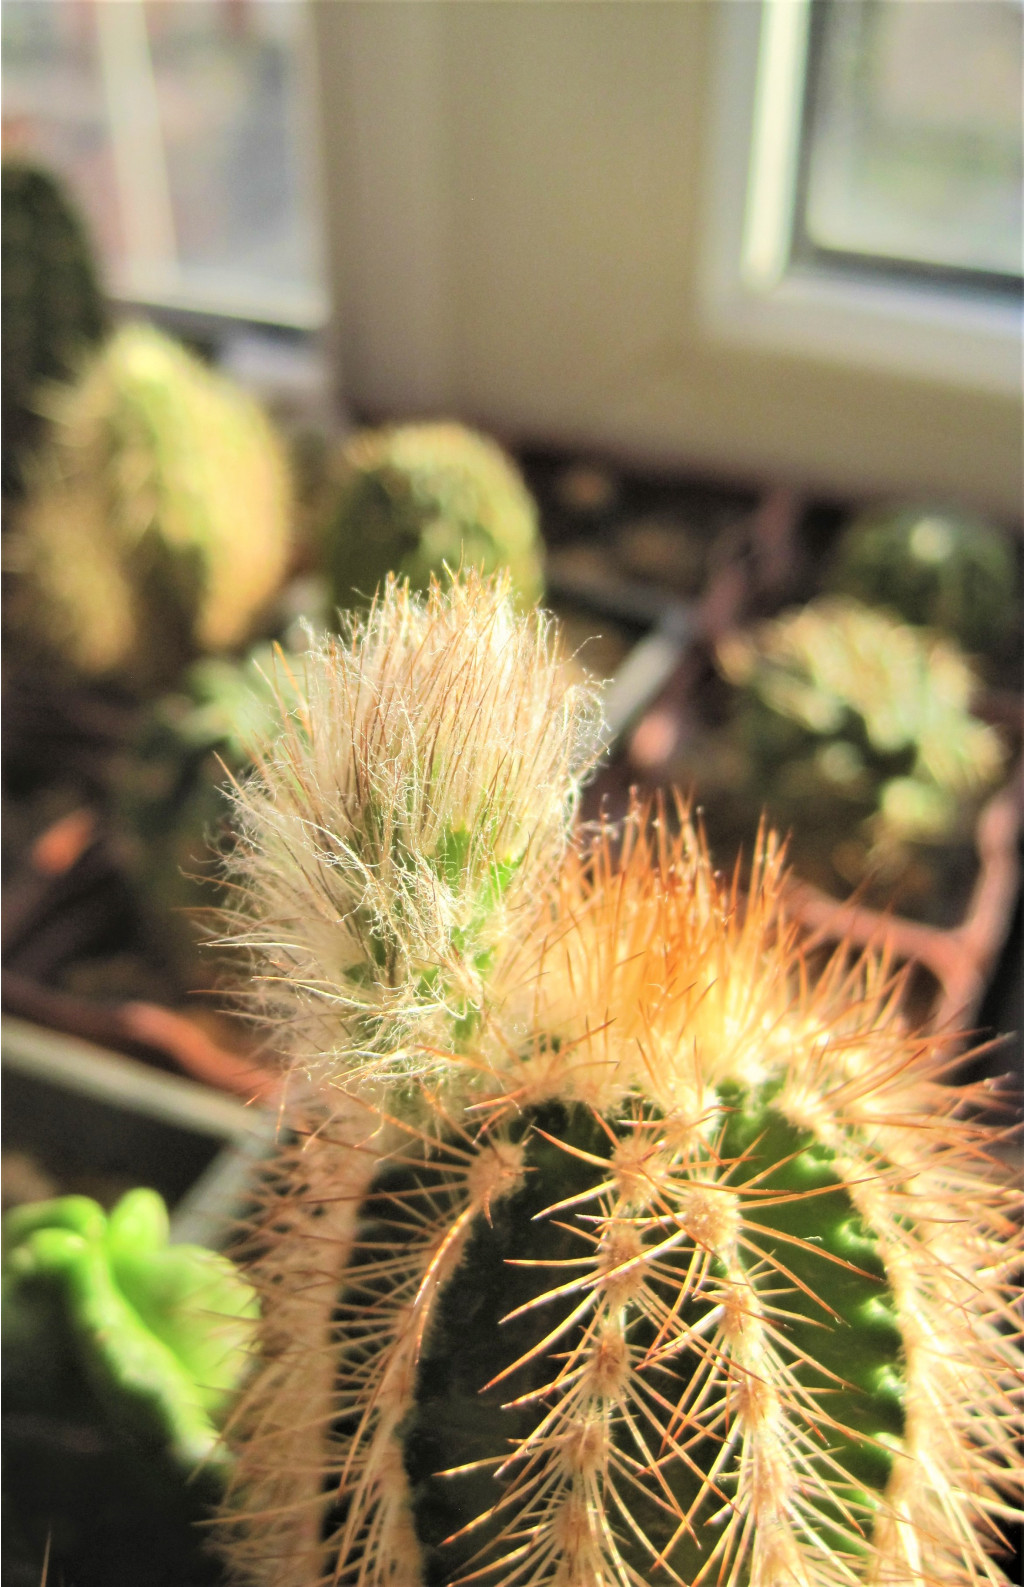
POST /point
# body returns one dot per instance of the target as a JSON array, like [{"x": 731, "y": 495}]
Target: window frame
[{"x": 755, "y": 293}]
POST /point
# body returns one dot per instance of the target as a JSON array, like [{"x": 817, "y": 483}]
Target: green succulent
[
  {"x": 53, "y": 308},
  {"x": 168, "y": 803},
  {"x": 153, "y": 1338},
  {"x": 932, "y": 566},
  {"x": 419, "y": 497},
  {"x": 158, "y": 525},
  {"x": 848, "y": 696}
]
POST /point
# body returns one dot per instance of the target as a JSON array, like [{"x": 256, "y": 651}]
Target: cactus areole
[{"x": 617, "y": 1248}]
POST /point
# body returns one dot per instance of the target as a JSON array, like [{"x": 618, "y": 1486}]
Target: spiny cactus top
[
  {"x": 159, "y": 522},
  {"x": 418, "y": 496},
  {"x": 629, "y": 1251}
]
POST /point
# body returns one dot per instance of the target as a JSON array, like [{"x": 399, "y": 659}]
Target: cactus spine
[
  {"x": 159, "y": 524},
  {"x": 617, "y": 1248}
]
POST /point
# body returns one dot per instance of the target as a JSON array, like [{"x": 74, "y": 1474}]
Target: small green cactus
[
  {"x": 152, "y": 1338},
  {"x": 617, "y": 1248},
  {"x": 939, "y": 568},
  {"x": 53, "y": 309},
  {"x": 415, "y": 498},
  {"x": 158, "y": 527},
  {"x": 862, "y": 702}
]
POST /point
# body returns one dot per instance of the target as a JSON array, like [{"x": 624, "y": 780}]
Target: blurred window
[
  {"x": 182, "y": 130},
  {"x": 912, "y": 149}
]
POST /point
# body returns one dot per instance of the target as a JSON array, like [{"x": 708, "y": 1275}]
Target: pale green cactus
[
  {"x": 880, "y": 707},
  {"x": 413, "y": 499},
  {"x": 944, "y": 569},
  {"x": 158, "y": 526},
  {"x": 672, "y": 1263}
]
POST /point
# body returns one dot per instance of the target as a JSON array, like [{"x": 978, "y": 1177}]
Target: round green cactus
[
  {"x": 943, "y": 569},
  {"x": 415, "y": 498},
  {"x": 53, "y": 309},
  {"x": 673, "y": 1262},
  {"x": 158, "y": 526},
  {"x": 863, "y": 704}
]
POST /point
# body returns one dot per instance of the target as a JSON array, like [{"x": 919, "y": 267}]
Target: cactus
[
  {"x": 158, "y": 525},
  {"x": 152, "y": 1339},
  {"x": 414, "y": 498},
  {"x": 53, "y": 310},
  {"x": 168, "y": 811},
  {"x": 938, "y": 568},
  {"x": 616, "y": 1247},
  {"x": 879, "y": 708}
]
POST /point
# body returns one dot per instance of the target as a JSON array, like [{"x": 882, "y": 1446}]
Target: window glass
[
  {"x": 181, "y": 129},
  {"x": 914, "y": 147}
]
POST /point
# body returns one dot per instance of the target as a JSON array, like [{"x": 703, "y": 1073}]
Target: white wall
[{"x": 515, "y": 196}]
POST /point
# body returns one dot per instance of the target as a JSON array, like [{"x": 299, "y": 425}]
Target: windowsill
[{"x": 917, "y": 331}]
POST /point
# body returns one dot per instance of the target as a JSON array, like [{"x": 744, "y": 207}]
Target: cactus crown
[
  {"x": 416, "y": 797},
  {"x": 674, "y": 1262}
]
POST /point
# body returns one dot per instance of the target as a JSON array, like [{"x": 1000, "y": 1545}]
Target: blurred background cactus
[
  {"x": 856, "y": 733},
  {"x": 168, "y": 810},
  {"x": 158, "y": 523},
  {"x": 841, "y": 694},
  {"x": 931, "y": 566},
  {"x": 411, "y": 499},
  {"x": 676, "y": 1259},
  {"x": 53, "y": 309}
]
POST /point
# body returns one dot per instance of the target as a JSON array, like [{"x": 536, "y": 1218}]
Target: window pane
[
  {"x": 180, "y": 128},
  {"x": 915, "y": 133},
  {"x": 229, "y": 97}
]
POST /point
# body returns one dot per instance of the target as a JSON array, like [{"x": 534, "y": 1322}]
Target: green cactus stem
[
  {"x": 158, "y": 526},
  {"x": 413, "y": 499},
  {"x": 680, "y": 1262},
  {"x": 53, "y": 309}
]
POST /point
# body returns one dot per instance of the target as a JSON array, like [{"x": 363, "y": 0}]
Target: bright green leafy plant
[
  {"x": 617, "y": 1247},
  {"x": 151, "y": 1339}
]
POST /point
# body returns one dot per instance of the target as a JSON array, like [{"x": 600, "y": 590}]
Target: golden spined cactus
[
  {"x": 418, "y": 497},
  {"x": 158, "y": 526},
  {"x": 679, "y": 1263},
  {"x": 415, "y": 798}
]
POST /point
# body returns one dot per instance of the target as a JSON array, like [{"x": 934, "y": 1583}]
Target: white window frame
[{"x": 750, "y": 292}]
